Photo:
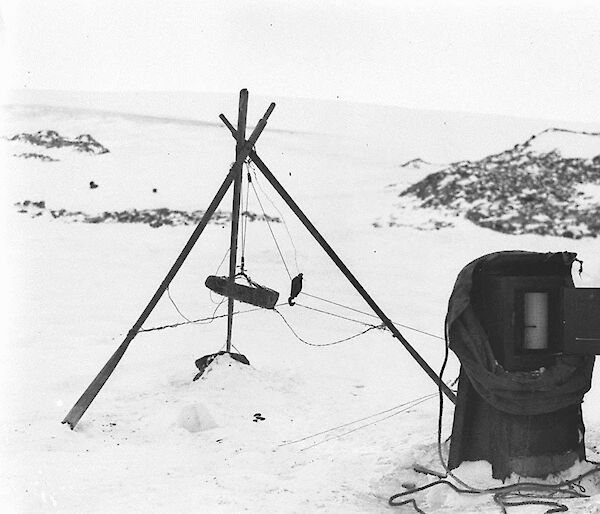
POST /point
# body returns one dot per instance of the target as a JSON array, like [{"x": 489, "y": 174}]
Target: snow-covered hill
[
  {"x": 302, "y": 429},
  {"x": 547, "y": 185}
]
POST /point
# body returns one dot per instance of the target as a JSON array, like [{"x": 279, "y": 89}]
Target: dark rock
[
  {"x": 52, "y": 139},
  {"x": 154, "y": 217},
  {"x": 37, "y": 156},
  {"x": 517, "y": 191}
]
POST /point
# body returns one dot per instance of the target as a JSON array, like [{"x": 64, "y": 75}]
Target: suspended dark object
[{"x": 254, "y": 294}]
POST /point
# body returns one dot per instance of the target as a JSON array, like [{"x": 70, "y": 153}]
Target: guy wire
[
  {"x": 412, "y": 404},
  {"x": 280, "y": 215},
  {"x": 271, "y": 230},
  {"x": 204, "y": 321},
  {"x": 409, "y": 403},
  {"x": 175, "y": 305},
  {"x": 371, "y": 315}
]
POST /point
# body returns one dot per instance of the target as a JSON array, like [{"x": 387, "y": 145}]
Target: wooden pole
[
  {"x": 342, "y": 267},
  {"x": 78, "y": 410},
  {"x": 235, "y": 211}
]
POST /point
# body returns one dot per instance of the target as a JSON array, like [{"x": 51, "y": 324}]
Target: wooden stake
[{"x": 235, "y": 211}]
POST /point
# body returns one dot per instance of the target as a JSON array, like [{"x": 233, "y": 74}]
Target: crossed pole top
[{"x": 251, "y": 141}]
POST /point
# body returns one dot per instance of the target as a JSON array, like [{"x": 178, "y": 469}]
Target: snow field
[{"x": 153, "y": 440}]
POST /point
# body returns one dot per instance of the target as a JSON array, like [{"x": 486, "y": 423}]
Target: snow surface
[
  {"x": 589, "y": 194},
  {"x": 153, "y": 440},
  {"x": 568, "y": 144}
]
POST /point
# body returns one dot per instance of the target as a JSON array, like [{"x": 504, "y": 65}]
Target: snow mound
[
  {"x": 535, "y": 187},
  {"x": 567, "y": 143},
  {"x": 413, "y": 171},
  {"x": 219, "y": 372},
  {"x": 195, "y": 418},
  {"x": 416, "y": 163}
]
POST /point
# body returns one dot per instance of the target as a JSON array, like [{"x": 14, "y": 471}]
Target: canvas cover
[{"x": 558, "y": 386}]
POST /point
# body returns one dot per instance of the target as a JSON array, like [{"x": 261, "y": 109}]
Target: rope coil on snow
[{"x": 537, "y": 493}]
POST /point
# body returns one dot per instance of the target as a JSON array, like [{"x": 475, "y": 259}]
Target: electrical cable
[
  {"x": 371, "y": 327},
  {"x": 204, "y": 321},
  {"x": 500, "y": 493}
]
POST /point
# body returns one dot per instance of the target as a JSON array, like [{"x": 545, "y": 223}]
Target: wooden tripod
[{"x": 244, "y": 149}]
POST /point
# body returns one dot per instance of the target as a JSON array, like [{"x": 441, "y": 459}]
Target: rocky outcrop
[
  {"x": 153, "y": 217},
  {"x": 37, "y": 156},
  {"x": 522, "y": 190},
  {"x": 416, "y": 163},
  {"x": 52, "y": 139}
]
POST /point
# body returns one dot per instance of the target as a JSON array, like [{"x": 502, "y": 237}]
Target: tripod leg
[{"x": 74, "y": 415}]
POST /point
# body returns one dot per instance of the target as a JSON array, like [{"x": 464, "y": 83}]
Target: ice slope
[{"x": 153, "y": 440}]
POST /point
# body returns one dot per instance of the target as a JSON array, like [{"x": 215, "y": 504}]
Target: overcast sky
[{"x": 523, "y": 58}]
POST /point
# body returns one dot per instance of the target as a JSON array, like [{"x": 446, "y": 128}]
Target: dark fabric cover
[{"x": 558, "y": 386}]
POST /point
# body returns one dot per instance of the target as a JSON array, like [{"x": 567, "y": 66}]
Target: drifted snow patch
[{"x": 195, "y": 418}]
